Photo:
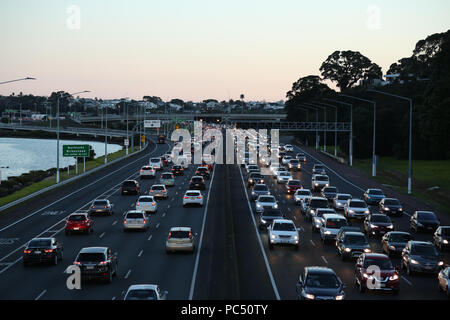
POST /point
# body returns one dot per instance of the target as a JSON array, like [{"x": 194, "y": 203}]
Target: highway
[{"x": 231, "y": 261}]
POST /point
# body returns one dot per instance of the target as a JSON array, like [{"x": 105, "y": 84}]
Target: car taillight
[
  {"x": 190, "y": 235},
  {"x": 190, "y": 181},
  {"x": 48, "y": 250},
  {"x": 170, "y": 235},
  {"x": 137, "y": 188},
  {"x": 186, "y": 197},
  {"x": 199, "y": 197},
  {"x": 142, "y": 171},
  {"x": 124, "y": 221},
  {"x": 86, "y": 221},
  {"x": 26, "y": 251},
  {"x": 144, "y": 221},
  {"x": 92, "y": 207},
  {"x": 106, "y": 207},
  {"x": 137, "y": 203},
  {"x": 102, "y": 263},
  {"x": 153, "y": 203},
  {"x": 77, "y": 263}
]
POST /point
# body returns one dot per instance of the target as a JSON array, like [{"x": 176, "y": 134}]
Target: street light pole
[
  {"x": 410, "y": 134},
  {"x": 374, "y": 167},
  {"x": 106, "y": 135},
  {"x": 325, "y": 127},
  {"x": 335, "y": 124},
  {"x": 9, "y": 81},
  {"x": 317, "y": 121}
]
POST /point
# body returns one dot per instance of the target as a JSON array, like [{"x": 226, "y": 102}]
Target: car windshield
[
  {"x": 400, "y": 237},
  {"x": 445, "y": 231},
  {"x": 266, "y": 199},
  {"x": 376, "y": 192},
  {"x": 272, "y": 213},
  {"x": 383, "y": 264},
  {"x": 135, "y": 215},
  {"x": 294, "y": 183},
  {"x": 260, "y": 188},
  {"x": 424, "y": 250},
  {"x": 77, "y": 217},
  {"x": 355, "y": 239},
  {"x": 322, "y": 280},
  {"x": 294, "y": 162},
  {"x": 336, "y": 223},
  {"x": 129, "y": 184},
  {"x": 146, "y": 168},
  {"x": 91, "y": 257},
  {"x": 344, "y": 197},
  {"x": 197, "y": 180},
  {"x": 100, "y": 203},
  {"x": 255, "y": 176},
  {"x": 167, "y": 176},
  {"x": 179, "y": 234},
  {"x": 358, "y": 204},
  {"x": 284, "y": 227},
  {"x": 318, "y": 167},
  {"x": 304, "y": 192},
  {"x": 392, "y": 202},
  {"x": 141, "y": 294},
  {"x": 330, "y": 189},
  {"x": 202, "y": 169},
  {"x": 426, "y": 216},
  {"x": 380, "y": 218},
  {"x": 318, "y": 203},
  {"x": 157, "y": 188},
  {"x": 321, "y": 178},
  {"x": 192, "y": 194},
  {"x": 39, "y": 243},
  {"x": 145, "y": 199},
  {"x": 176, "y": 167},
  {"x": 155, "y": 160}
]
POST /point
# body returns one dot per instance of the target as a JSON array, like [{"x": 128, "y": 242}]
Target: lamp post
[
  {"x": 325, "y": 127},
  {"x": 374, "y": 166},
  {"x": 335, "y": 124},
  {"x": 9, "y": 81},
  {"x": 106, "y": 134},
  {"x": 410, "y": 134},
  {"x": 57, "y": 132},
  {"x": 317, "y": 121},
  {"x": 350, "y": 151}
]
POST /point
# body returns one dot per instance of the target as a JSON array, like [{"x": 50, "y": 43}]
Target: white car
[
  {"x": 145, "y": 292},
  {"x": 301, "y": 195},
  {"x": 331, "y": 225},
  {"x": 283, "y": 177},
  {"x": 156, "y": 163},
  {"x": 135, "y": 220},
  {"x": 289, "y": 148},
  {"x": 146, "y": 204},
  {"x": 283, "y": 231},
  {"x": 285, "y": 160},
  {"x": 147, "y": 172},
  {"x": 319, "y": 181},
  {"x": 277, "y": 172},
  {"x": 317, "y": 217},
  {"x": 356, "y": 209},
  {"x": 340, "y": 200},
  {"x": 193, "y": 197},
  {"x": 266, "y": 202}
]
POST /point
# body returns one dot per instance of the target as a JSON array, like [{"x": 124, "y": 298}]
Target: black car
[
  {"x": 161, "y": 139},
  {"x": 97, "y": 263},
  {"x": 177, "y": 170},
  {"x": 424, "y": 221},
  {"x": 130, "y": 187},
  {"x": 441, "y": 237},
  {"x": 267, "y": 216},
  {"x": 329, "y": 193},
  {"x": 394, "y": 242},
  {"x": 345, "y": 229},
  {"x": 352, "y": 245},
  {"x": 254, "y": 178},
  {"x": 203, "y": 171},
  {"x": 40, "y": 250},
  {"x": 420, "y": 256},
  {"x": 197, "y": 183},
  {"x": 377, "y": 225},
  {"x": 312, "y": 205},
  {"x": 391, "y": 206},
  {"x": 319, "y": 283}
]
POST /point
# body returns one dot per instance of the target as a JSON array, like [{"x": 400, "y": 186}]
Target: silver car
[
  {"x": 356, "y": 209},
  {"x": 266, "y": 202},
  {"x": 301, "y": 195},
  {"x": 135, "y": 220},
  {"x": 340, "y": 200},
  {"x": 145, "y": 292},
  {"x": 180, "y": 239},
  {"x": 319, "y": 181},
  {"x": 317, "y": 218},
  {"x": 158, "y": 191}
]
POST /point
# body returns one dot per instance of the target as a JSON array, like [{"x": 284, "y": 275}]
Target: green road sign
[{"x": 76, "y": 150}]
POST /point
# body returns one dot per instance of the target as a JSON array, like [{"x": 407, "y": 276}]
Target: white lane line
[
  {"x": 131, "y": 205},
  {"x": 113, "y": 298},
  {"x": 128, "y": 274},
  {"x": 168, "y": 206},
  {"x": 101, "y": 236},
  {"x": 312, "y": 242},
  {"x": 164, "y": 214},
  {"x": 149, "y": 238},
  {"x": 324, "y": 260},
  {"x": 157, "y": 226},
  {"x": 114, "y": 223},
  {"x": 269, "y": 271},
  {"x": 199, "y": 249},
  {"x": 140, "y": 253},
  {"x": 40, "y": 295},
  {"x": 407, "y": 281}
]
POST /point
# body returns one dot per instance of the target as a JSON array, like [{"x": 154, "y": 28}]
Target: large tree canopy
[{"x": 348, "y": 67}]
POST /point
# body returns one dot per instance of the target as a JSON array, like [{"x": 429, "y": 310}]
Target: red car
[
  {"x": 366, "y": 277},
  {"x": 293, "y": 185},
  {"x": 79, "y": 222}
]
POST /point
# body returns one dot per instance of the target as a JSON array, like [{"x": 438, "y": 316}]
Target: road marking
[
  {"x": 114, "y": 223},
  {"x": 407, "y": 281},
  {"x": 40, "y": 295},
  {"x": 157, "y": 226},
  {"x": 324, "y": 260},
  {"x": 113, "y": 298},
  {"x": 312, "y": 242},
  {"x": 164, "y": 214},
  {"x": 140, "y": 253},
  {"x": 149, "y": 237},
  {"x": 289, "y": 209},
  {"x": 128, "y": 274},
  {"x": 101, "y": 236},
  {"x": 168, "y": 206},
  {"x": 131, "y": 206}
]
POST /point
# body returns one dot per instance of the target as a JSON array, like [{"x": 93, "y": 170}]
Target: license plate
[
  {"x": 89, "y": 267},
  {"x": 99, "y": 210},
  {"x": 382, "y": 232},
  {"x": 37, "y": 252},
  {"x": 76, "y": 228}
]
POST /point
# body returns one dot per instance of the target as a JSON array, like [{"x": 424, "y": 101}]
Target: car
[
  {"x": 97, "y": 263},
  {"x": 130, "y": 187},
  {"x": 182, "y": 160},
  {"x": 101, "y": 206},
  {"x": 394, "y": 242},
  {"x": 340, "y": 200},
  {"x": 421, "y": 256},
  {"x": 374, "y": 271},
  {"x": 313, "y": 204},
  {"x": 267, "y": 216},
  {"x": 292, "y": 186},
  {"x": 329, "y": 193},
  {"x": 274, "y": 167},
  {"x": 158, "y": 191},
  {"x": 301, "y": 195},
  {"x": 317, "y": 217},
  {"x": 283, "y": 177},
  {"x": 156, "y": 163},
  {"x": 283, "y": 232},
  {"x": 319, "y": 283},
  {"x": 285, "y": 160},
  {"x": 255, "y": 178},
  {"x": 250, "y": 171},
  {"x": 147, "y": 204},
  {"x": 264, "y": 202},
  {"x": 180, "y": 239},
  {"x": 288, "y": 148},
  {"x": 197, "y": 183},
  {"x": 391, "y": 206},
  {"x": 145, "y": 292},
  {"x": 249, "y": 167},
  {"x": 331, "y": 225},
  {"x": 424, "y": 221},
  {"x": 167, "y": 179},
  {"x": 281, "y": 155},
  {"x": 444, "y": 282},
  {"x": 203, "y": 171},
  {"x": 352, "y": 244},
  {"x": 161, "y": 139},
  {"x": 42, "y": 250},
  {"x": 193, "y": 197},
  {"x": 167, "y": 158},
  {"x": 177, "y": 170},
  {"x": 345, "y": 229},
  {"x": 356, "y": 209},
  {"x": 301, "y": 157},
  {"x": 294, "y": 165},
  {"x": 373, "y": 196},
  {"x": 441, "y": 237},
  {"x": 135, "y": 220},
  {"x": 318, "y": 169},
  {"x": 259, "y": 190},
  {"x": 79, "y": 223},
  {"x": 278, "y": 170},
  {"x": 319, "y": 181},
  {"x": 147, "y": 172},
  {"x": 377, "y": 225}
]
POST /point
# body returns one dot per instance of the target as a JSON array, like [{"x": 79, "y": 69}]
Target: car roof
[
  {"x": 43, "y": 238},
  {"x": 354, "y": 233},
  {"x": 283, "y": 221},
  {"x": 196, "y": 191},
  {"x": 181, "y": 229},
  {"x": 158, "y": 185},
  {"x": 420, "y": 243},
  {"x": 374, "y": 189},
  {"x": 399, "y": 232},
  {"x": 318, "y": 198},
  {"x": 146, "y": 196},
  {"x": 94, "y": 250},
  {"x": 423, "y": 211},
  {"x": 197, "y": 177},
  {"x": 390, "y": 199},
  {"x": 143, "y": 287},
  {"x": 316, "y": 269},
  {"x": 356, "y": 200},
  {"x": 135, "y": 211},
  {"x": 333, "y": 216},
  {"x": 378, "y": 256},
  {"x": 78, "y": 214}
]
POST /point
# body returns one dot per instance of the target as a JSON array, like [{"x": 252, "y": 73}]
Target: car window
[
  {"x": 283, "y": 226},
  {"x": 335, "y": 223},
  {"x": 399, "y": 237},
  {"x": 197, "y": 179},
  {"x": 355, "y": 239},
  {"x": 380, "y": 218},
  {"x": 358, "y": 204},
  {"x": 39, "y": 243},
  {"x": 321, "y": 178},
  {"x": 145, "y": 199},
  {"x": 179, "y": 234},
  {"x": 322, "y": 280},
  {"x": 383, "y": 264},
  {"x": 192, "y": 194},
  {"x": 426, "y": 216},
  {"x": 445, "y": 231},
  {"x": 376, "y": 192},
  {"x": 129, "y": 184},
  {"x": 304, "y": 192},
  {"x": 100, "y": 203},
  {"x": 266, "y": 199},
  {"x": 392, "y": 202},
  {"x": 318, "y": 203},
  {"x": 343, "y": 197},
  {"x": 157, "y": 188},
  {"x": 77, "y": 217},
  {"x": 91, "y": 257},
  {"x": 135, "y": 215},
  {"x": 424, "y": 250},
  {"x": 141, "y": 294},
  {"x": 260, "y": 188}
]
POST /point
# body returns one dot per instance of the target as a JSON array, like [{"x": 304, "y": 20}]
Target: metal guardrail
[
  {"x": 296, "y": 126},
  {"x": 71, "y": 130}
]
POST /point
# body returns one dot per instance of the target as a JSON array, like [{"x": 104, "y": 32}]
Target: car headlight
[
  {"x": 445, "y": 241},
  {"x": 373, "y": 226},
  {"x": 295, "y": 237},
  {"x": 339, "y": 297},
  {"x": 386, "y": 209},
  {"x": 275, "y": 206},
  {"x": 316, "y": 184},
  {"x": 309, "y": 296},
  {"x": 414, "y": 261},
  {"x": 327, "y": 232},
  {"x": 394, "y": 277},
  {"x": 351, "y": 211},
  {"x": 263, "y": 221},
  {"x": 312, "y": 211},
  {"x": 390, "y": 226},
  {"x": 419, "y": 224},
  {"x": 327, "y": 185},
  {"x": 400, "y": 209},
  {"x": 367, "y": 211},
  {"x": 258, "y": 205},
  {"x": 273, "y": 236},
  {"x": 440, "y": 263},
  {"x": 347, "y": 249},
  {"x": 367, "y": 250}
]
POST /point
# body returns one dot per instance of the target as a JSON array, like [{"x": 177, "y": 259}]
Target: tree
[{"x": 348, "y": 67}]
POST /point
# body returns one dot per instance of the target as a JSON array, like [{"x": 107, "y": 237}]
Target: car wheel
[
  {"x": 56, "y": 259},
  {"x": 408, "y": 270},
  {"x": 110, "y": 276},
  {"x": 61, "y": 256}
]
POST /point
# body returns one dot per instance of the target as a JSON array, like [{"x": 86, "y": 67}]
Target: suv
[
  {"x": 319, "y": 283},
  {"x": 130, "y": 187},
  {"x": 203, "y": 171},
  {"x": 158, "y": 191},
  {"x": 156, "y": 163},
  {"x": 135, "y": 219},
  {"x": 101, "y": 206},
  {"x": 365, "y": 277},
  {"x": 177, "y": 170},
  {"x": 265, "y": 202},
  {"x": 267, "y": 217},
  {"x": 441, "y": 238},
  {"x": 424, "y": 221},
  {"x": 394, "y": 242},
  {"x": 377, "y": 224},
  {"x": 283, "y": 231},
  {"x": 331, "y": 225},
  {"x": 42, "y": 250},
  {"x": 420, "y": 256},
  {"x": 254, "y": 178},
  {"x": 352, "y": 244},
  {"x": 259, "y": 190},
  {"x": 302, "y": 195},
  {"x": 312, "y": 205},
  {"x": 97, "y": 262},
  {"x": 319, "y": 181},
  {"x": 373, "y": 196},
  {"x": 197, "y": 183},
  {"x": 294, "y": 164},
  {"x": 340, "y": 200},
  {"x": 329, "y": 193},
  {"x": 180, "y": 239},
  {"x": 318, "y": 169},
  {"x": 356, "y": 209},
  {"x": 147, "y": 172}
]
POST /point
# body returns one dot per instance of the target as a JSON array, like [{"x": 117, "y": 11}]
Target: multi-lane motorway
[{"x": 231, "y": 261}]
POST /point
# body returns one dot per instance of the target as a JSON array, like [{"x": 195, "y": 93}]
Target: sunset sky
[{"x": 199, "y": 49}]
